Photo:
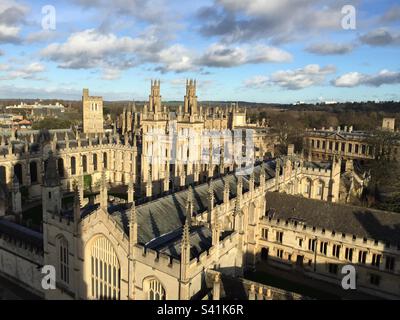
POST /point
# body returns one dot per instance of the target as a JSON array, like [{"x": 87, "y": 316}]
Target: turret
[{"x": 51, "y": 189}]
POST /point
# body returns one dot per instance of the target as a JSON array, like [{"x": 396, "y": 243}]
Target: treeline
[{"x": 52, "y": 123}]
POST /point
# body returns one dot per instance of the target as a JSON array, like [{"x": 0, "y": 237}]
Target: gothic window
[
  {"x": 320, "y": 189},
  {"x": 18, "y": 172},
  {"x": 362, "y": 257},
  {"x": 84, "y": 164},
  {"x": 63, "y": 260},
  {"x": 348, "y": 254},
  {"x": 105, "y": 271},
  {"x": 376, "y": 259},
  {"x": 60, "y": 166},
  {"x": 265, "y": 233},
  {"x": 73, "y": 166},
  {"x": 33, "y": 171},
  {"x": 390, "y": 263},
  {"x": 312, "y": 244},
  {"x": 323, "y": 247},
  {"x": 95, "y": 162},
  {"x": 279, "y": 236},
  {"x": 3, "y": 175},
  {"x": 156, "y": 290},
  {"x": 307, "y": 188},
  {"x": 105, "y": 160},
  {"x": 336, "y": 250}
]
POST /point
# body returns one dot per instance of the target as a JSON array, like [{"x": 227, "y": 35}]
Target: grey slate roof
[
  {"x": 21, "y": 233},
  {"x": 359, "y": 221}
]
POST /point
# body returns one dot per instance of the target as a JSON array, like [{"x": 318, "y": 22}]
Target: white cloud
[
  {"x": 221, "y": 55},
  {"x": 91, "y": 49},
  {"x": 29, "y": 71},
  {"x": 12, "y": 15},
  {"x": 350, "y": 79},
  {"x": 256, "y": 82},
  {"x": 310, "y": 75},
  {"x": 275, "y": 20},
  {"x": 353, "y": 79},
  {"x": 9, "y": 33},
  {"x": 175, "y": 58}
]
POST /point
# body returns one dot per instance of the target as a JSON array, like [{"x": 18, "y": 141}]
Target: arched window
[
  {"x": 156, "y": 290},
  {"x": 307, "y": 188},
  {"x": 105, "y": 270},
  {"x": 60, "y": 165},
  {"x": 84, "y": 163},
  {"x": 64, "y": 260},
  {"x": 95, "y": 162},
  {"x": 73, "y": 166},
  {"x": 3, "y": 175},
  {"x": 33, "y": 171},
  {"x": 320, "y": 189},
  {"x": 105, "y": 160},
  {"x": 18, "y": 172}
]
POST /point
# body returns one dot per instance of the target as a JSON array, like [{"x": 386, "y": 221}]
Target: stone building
[
  {"x": 92, "y": 113},
  {"x": 351, "y": 144},
  {"x": 178, "y": 231}
]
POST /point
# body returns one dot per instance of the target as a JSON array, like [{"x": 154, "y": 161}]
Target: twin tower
[
  {"x": 92, "y": 114},
  {"x": 190, "y": 99}
]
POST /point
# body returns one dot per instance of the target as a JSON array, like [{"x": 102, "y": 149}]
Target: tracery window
[
  {"x": 105, "y": 271},
  {"x": 156, "y": 290},
  {"x": 64, "y": 260}
]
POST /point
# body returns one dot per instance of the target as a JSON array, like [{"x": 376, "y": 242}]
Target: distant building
[
  {"x": 324, "y": 144},
  {"x": 37, "y": 110}
]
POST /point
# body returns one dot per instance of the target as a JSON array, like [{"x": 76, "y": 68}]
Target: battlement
[
  {"x": 24, "y": 248},
  {"x": 157, "y": 260}
]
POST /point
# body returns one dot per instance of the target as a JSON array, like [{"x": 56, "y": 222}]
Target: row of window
[
  {"x": 336, "y": 249},
  {"x": 340, "y": 145},
  {"x": 374, "y": 279}
]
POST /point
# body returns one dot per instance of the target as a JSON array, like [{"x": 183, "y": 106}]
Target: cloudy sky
[{"x": 259, "y": 50}]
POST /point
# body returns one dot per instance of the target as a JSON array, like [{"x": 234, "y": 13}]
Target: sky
[{"x": 272, "y": 51}]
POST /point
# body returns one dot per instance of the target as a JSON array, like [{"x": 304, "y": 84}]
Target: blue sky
[{"x": 261, "y": 50}]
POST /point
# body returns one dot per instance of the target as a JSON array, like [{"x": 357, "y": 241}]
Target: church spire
[
  {"x": 77, "y": 204},
  {"x": 131, "y": 190}
]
